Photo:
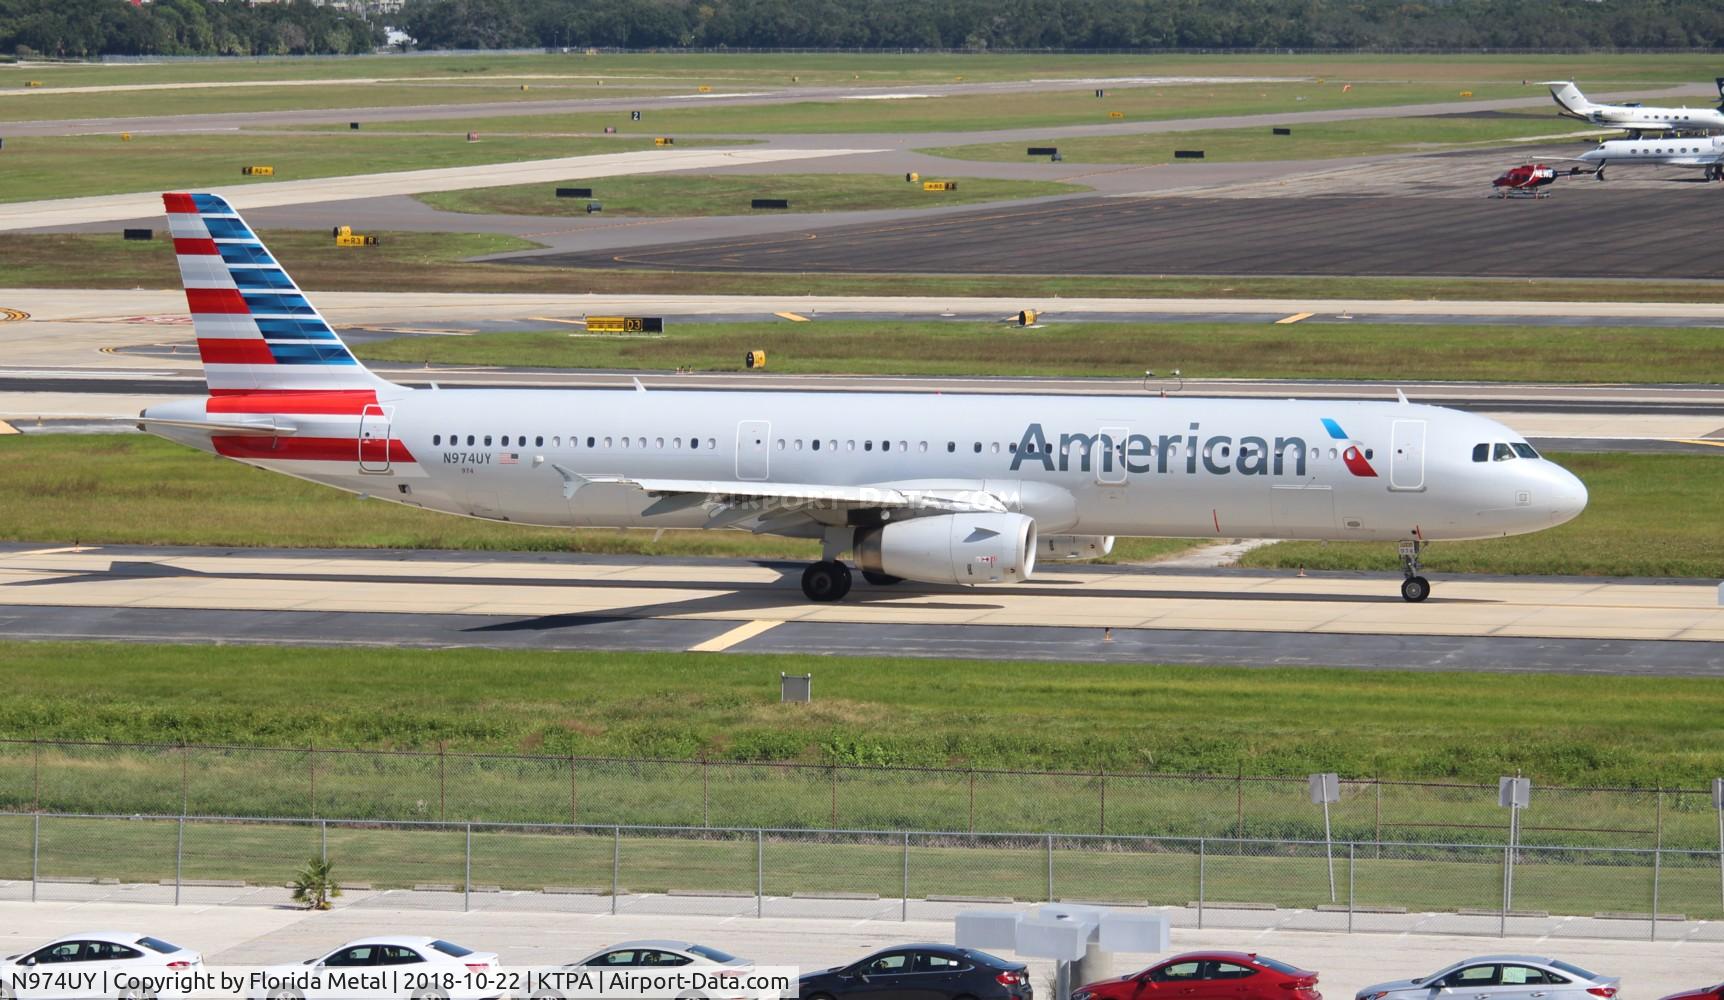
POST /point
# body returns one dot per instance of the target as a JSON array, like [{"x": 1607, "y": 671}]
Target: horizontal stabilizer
[{"x": 264, "y": 428}]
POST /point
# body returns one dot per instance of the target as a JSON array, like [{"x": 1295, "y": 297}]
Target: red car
[
  {"x": 1704, "y": 993},
  {"x": 1209, "y": 975}
]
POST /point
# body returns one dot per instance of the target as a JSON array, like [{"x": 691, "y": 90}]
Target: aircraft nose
[{"x": 1568, "y": 495}]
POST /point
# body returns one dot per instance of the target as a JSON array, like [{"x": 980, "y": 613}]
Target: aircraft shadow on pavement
[{"x": 760, "y": 595}]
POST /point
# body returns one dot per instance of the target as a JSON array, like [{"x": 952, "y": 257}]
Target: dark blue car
[{"x": 921, "y": 972}]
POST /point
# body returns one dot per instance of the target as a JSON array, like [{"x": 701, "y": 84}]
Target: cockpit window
[
  {"x": 1502, "y": 452},
  {"x": 1524, "y": 450},
  {"x": 1482, "y": 452}
]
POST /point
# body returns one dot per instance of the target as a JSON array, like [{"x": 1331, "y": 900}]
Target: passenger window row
[{"x": 575, "y": 441}]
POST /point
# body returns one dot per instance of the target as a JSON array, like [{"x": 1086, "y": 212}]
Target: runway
[
  {"x": 1091, "y": 613},
  {"x": 1336, "y": 235}
]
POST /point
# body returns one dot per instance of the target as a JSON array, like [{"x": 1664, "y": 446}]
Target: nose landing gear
[{"x": 1414, "y": 588}]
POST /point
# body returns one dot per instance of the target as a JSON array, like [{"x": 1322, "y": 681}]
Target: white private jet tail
[{"x": 1569, "y": 98}]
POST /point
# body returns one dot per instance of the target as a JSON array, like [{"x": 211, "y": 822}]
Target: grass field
[
  {"x": 1591, "y": 730},
  {"x": 683, "y": 194},
  {"x": 1201, "y": 350},
  {"x": 134, "y": 490},
  {"x": 73, "y": 166},
  {"x": 42, "y": 260},
  {"x": 1649, "y": 515},
  {"x": 371, "y": 101},
  {"x": 70, "y": 260},
  {"x": 1420, "y": 880},
  {"x": 829, "y": 68},
  {"x": 1308, "y": 142},
  {"x": 975, "y": 112}
]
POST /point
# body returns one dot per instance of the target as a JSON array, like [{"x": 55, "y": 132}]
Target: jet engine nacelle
[
  {"x": 1074, "y": 547},
  {"x": 951, "y": 548}
]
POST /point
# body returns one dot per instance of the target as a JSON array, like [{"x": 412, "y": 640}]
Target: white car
[
  {"x": 1500, "y": 977},
  {"x": 426, "y": 968},
  {"x": 97, "y": 963},
  {"x": 656, "y": 955}
]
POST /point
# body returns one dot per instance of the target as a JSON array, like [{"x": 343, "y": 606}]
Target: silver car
[
  {"x": 1500, "y": 977},
  {"x": 655, "y": 956}
]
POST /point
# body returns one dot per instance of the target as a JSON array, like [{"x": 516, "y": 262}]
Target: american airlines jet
[{"x": 945, "y": 489}]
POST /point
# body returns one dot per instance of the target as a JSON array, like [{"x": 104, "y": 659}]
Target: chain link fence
[
  {"x": 1218, "y": 882},
  {"x": 103, "y": 778}
]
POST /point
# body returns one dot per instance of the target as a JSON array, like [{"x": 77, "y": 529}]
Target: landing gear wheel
[
  {"x": 881, "y": 579},
  {"x": 1414, "y": 586},
  {"x": 828, "y": 580}
]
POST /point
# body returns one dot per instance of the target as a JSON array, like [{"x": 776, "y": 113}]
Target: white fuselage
[
  {"x": 1691, "y": 151},
  {"x": 1077, "y": 464},
  {"x": 1635, "y": 118}
]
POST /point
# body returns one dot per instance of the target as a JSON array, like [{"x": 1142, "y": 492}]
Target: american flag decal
[{"x": 508, "y": 458}]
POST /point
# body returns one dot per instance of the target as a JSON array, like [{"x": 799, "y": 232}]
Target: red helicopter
[{"x": 1527, "y": 178}]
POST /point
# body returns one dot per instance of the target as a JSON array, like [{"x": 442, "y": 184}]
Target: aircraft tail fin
[
  {"x": 1569, "y": 98},
  {"x": 1720, "y": 82},
  {"x": 256, "y": 330}
]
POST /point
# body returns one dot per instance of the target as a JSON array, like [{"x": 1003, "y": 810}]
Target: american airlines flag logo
[{"x": 508, "y": 458}]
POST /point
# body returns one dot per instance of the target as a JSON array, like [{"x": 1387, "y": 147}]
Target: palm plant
[{"x": 314, "y": 885}]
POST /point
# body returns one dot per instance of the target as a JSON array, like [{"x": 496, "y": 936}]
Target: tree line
[
  {"x": 1004, "y": 25},
  {"x": 84, "y": 28}
]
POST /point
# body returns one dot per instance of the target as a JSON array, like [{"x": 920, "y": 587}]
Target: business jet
[
  {"x": 1635, "y": 118},
  {"x": 1701, "y": 152},
  {"x": 938, "y": 488}
]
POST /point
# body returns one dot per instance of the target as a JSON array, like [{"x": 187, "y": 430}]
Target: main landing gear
[
  {"x": 829, "y": 580},
  {"x": 826, "y": 580},
  {"x": 1415, "y": 587}
]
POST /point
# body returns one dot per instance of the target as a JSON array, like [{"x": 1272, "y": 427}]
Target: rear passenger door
[
  {"x": 939, "y": 977},
  {"x": 1523, "y": 982},
  {"x": 1228, "y": 981}
]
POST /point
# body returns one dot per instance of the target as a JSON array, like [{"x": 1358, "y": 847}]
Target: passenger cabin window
[{"x": 436, "y": 439}]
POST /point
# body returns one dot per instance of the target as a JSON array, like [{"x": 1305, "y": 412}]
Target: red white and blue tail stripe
[{"x": 256, "y": 330}]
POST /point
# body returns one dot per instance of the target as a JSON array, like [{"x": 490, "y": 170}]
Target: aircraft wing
[{"x": 733, "y": 501}]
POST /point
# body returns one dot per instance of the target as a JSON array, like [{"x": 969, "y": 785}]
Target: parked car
[
  {"x": 921, "y": 972},
  {"x": 658, "y": 954},
  {"x": 1501, "y": 977},
  {"x": 1209, "y": 975},
  {"x": 103, "y": 953},
  {"x": 396, "y": 954},
  {"x": 1704, "y": 993}
]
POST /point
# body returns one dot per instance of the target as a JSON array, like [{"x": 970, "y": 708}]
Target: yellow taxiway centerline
[{"x": 742, "y": 633}]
